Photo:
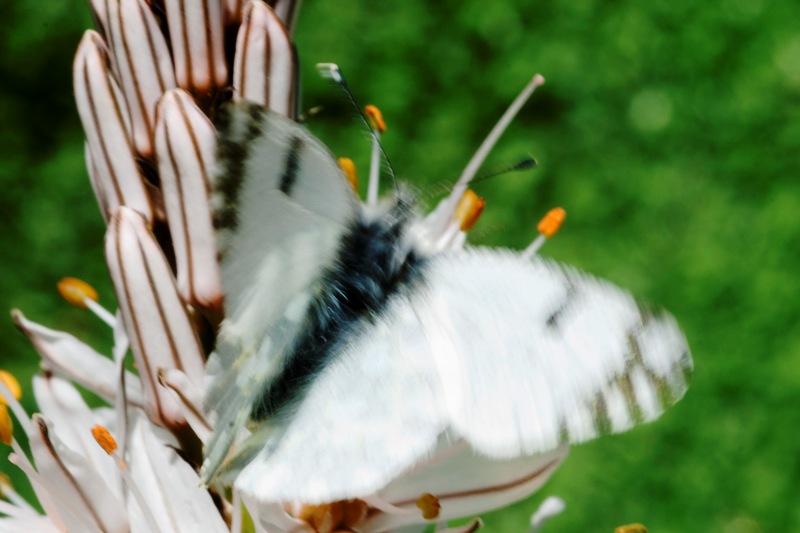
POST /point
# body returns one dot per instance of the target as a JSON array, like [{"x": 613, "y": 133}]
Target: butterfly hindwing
[{"x": 533, "y": 355}]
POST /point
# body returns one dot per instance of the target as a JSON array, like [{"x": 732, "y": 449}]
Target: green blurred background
[{"x": 669, "y": 130}]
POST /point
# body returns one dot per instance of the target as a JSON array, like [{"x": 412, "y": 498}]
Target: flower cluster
[{"x": 147, "y": 82}]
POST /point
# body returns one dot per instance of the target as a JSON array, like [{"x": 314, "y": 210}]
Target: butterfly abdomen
[{"x": 374, "y": 263}]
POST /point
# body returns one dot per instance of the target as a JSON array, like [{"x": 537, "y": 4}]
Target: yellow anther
[
  {"x": 11, "y": 384},
  {"x": 104, "y": 439},
  {"x": 349, "y": 169},
  {"x": 429, "y": 505},
  {"x": 469, "y": 209},
  {"x": 6, "y": 426},
  {"x": 5, "y": 485},
  {"x": 551, "y": 223},
  {"x": 76, "y": 291},
  {"x": 375, "y": 118},
  {"x": 631, "y": 528}
]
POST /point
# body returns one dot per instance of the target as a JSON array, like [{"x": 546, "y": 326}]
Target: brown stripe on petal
[
  {"x": 159, "y": 328},
  {"x": 287, "y": 11},
  {"x": 264, "y": 63},
  {"x": 185, "y": 145},
  {"x": 107, "y": 129},
  {"x": 196, "y": 28}
]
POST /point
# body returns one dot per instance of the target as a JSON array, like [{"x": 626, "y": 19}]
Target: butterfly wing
[
  {"x": 370, "y": 415},
  {"x": 533, "y": 355},
  {"x": 281, "y": 205},
  {"x": 516, "y": 357}
]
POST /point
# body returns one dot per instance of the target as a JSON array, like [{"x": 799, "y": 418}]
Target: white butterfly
[{"x": 355, "y": 342}]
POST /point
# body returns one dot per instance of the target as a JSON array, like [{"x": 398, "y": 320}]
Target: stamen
[
  {"x": 76, "y": 291},
  {"x": 480, "y": 156},
  {"x": 631, "y": 528},
  {"x": 469, "y": 209},
  {"x": 11, "y": 383},
  {"x": 349, "y": 169},
  {"x": 104, "y": 439},
  {"x": 547, "y": 227},
  {"x": 375, "y": 118},
  {"x": 83, "y": 296},
  {"x": 6, "y": 426},
  {"x": 429, "y": 505},
  {"x": 332, "y": 71},
  {"x": 109, "y": 445}
]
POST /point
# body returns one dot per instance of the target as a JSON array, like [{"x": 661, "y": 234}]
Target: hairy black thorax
[{"x": 375, "y": 262}]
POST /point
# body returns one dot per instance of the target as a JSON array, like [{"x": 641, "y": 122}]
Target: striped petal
[
  {"x": 264, "y": 64},
  {"x": 185, "y": 147},
  {"x": 105, "y": 120},
  {"x": 83, "y": 498},
  {"x": 169, "y": 485},
  {"x": 143, "y": 64},
  {"x": 60, "y": 401},
  {"x": 465, "y": 483},
  {"x": 287, "y": 11},
  {"x": 196, "y": 33},
  {"x": 67, "y": 356},
  {"x": 155, "y": 318}
]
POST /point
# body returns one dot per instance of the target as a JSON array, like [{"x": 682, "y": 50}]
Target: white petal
[
  {"x": 185, "y": 146},
  {"x": 196, "y": 29},
  {"x": 169, "y": 485},
  {"x": 105, "y": 120},
  {"x": 264, "y": 64},
  {"x": 60, "y": 402},
  {"x": 142, "y": 63},
  {"x": 159, "y": 329},
  {"x": 76, "y": 488},
  {"x": 67, "y": 356}
]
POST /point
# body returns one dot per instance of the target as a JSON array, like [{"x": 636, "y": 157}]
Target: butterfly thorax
[{"x": 376, "y": 261}]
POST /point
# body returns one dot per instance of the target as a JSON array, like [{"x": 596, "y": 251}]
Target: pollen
[
  {"x": 469, "y": 209},
  {"x": 104, "y": 439},
  {"x": 6, "y": 426},
  {"x": 349, "y": 169},
  {"x": 631, "y": 528},
  {"x": 551, "y": 223},
  {"x": 5, "y": 485},
  {"x": 11, "y": 383},
  {"x": 76, "y": 291},
  {"x": 429, "y": 505},
  {"x": 375, "y": 118}
]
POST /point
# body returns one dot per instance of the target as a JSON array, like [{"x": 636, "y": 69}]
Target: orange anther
[
  {"x": 104, "y": 439},
  {"x": 76, "y": 291},
  {"x": 469, "y": 209},
  {"x": 6, "y": 426},
  {"x": 631, "y": 528},
  {"x": 349, "y": 169},
  {"x": 551, "y": 223},
  {"x": 375, "y": 118},
  {"x": 11, "y": 384},
  {"x": 429, "y": 505}
]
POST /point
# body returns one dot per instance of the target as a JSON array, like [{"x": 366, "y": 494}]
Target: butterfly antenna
[
  {"x": 441, "y": 216},
  {"x": 547, "y": 227},
  {"x": 483, "y": 151},
  {"x": 525, "y": 164},
  {"x": 333, "y": 72}
]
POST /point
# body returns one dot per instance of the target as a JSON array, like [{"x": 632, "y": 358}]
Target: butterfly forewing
[{"x": 281, "y": 205}]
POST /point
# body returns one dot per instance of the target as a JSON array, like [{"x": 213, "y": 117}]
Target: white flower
[{"x": 144, "y": 100}]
